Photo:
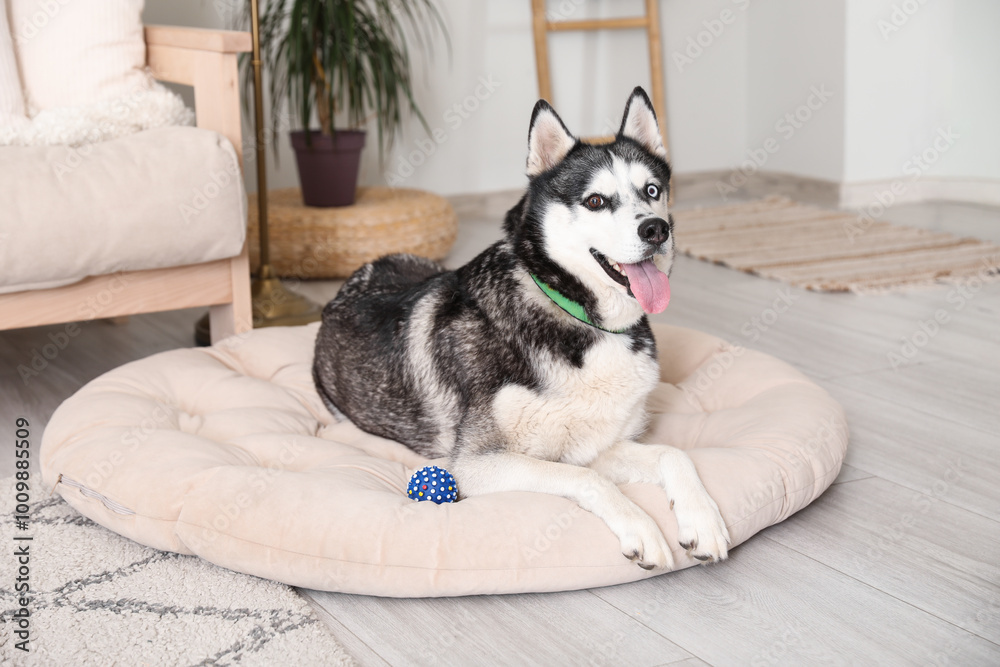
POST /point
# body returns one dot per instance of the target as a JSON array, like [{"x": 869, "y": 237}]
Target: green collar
[{"x": 570, "y": 306}]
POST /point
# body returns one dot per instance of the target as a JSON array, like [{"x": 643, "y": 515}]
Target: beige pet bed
[{"x": 228, "y": 453}]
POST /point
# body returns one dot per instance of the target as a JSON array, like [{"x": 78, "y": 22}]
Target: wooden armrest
[
  {"x": 206, "y": 60},
  {"x": 200, "y": 39}
]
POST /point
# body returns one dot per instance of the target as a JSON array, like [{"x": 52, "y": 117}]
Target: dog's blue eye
[
  {"x": 595, "y": 202},
  {"x": 652, "y": 191}
]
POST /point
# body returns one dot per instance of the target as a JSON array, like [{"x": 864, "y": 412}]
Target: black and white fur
[{"x": 479, "y": 365}]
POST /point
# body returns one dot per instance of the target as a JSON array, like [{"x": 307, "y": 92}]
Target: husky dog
[{"x": 529, "y": 367}]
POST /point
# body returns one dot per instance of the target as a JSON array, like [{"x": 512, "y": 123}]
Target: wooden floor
[{"x": 898, "y": 563}]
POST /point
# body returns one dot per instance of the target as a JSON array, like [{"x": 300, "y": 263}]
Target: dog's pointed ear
[
  {"x": 548, "y": 139},
  {"x": 639, "y": 123}
]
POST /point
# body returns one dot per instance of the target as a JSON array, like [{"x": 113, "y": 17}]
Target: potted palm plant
[{"x": 342, "y": 63}]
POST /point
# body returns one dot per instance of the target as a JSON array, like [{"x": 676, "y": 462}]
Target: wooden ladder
[{"x": 650, "y": 21}]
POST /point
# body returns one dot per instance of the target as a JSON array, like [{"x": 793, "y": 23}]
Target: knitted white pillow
[
  {"x": 83, "y": 71},
  {"x": 75, "y": 53},
  {"x": 11, "y": 97}
]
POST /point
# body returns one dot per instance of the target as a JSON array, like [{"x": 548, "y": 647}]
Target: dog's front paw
[
  {"x": 700, "y": 528},
  {"x": 644, "y": 544}
]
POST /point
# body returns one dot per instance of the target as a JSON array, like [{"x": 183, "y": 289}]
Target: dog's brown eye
[{"x": 595, "y": 202}]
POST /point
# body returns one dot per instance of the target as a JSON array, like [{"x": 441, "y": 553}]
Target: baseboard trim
[
  {"x": 484, "y": 204},
  {"x": 717, "y": 184},
  {"x": 720, "y": 184},
  {"x": 889, "y": 192},
  {"x": 854, "y": 196}
]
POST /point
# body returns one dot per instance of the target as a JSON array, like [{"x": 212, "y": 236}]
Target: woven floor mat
[{"x": 829, "y": 250}]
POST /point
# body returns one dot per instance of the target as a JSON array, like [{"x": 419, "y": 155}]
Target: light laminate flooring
[{"x": 897, "y": 564}]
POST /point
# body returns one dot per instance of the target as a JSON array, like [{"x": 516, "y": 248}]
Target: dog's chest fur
[{"x": 578, "y": 412}]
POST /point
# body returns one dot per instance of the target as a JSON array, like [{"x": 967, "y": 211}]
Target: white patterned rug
[{"x": 100, "y": 599}]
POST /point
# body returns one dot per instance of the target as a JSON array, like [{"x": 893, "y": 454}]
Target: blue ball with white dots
[{"x": 434, "y": 484}]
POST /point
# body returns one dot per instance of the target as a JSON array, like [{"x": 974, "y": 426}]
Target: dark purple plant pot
[{"x": 328, "y": 166}]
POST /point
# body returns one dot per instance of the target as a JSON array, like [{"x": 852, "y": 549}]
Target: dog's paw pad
[
  {"x": 701, "y": 530},
  {"x": 711, "y": 557},
  {"x": 644, "y": 544}
]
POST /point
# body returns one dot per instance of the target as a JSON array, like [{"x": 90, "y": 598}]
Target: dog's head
[{"x": 594, "y": 224}]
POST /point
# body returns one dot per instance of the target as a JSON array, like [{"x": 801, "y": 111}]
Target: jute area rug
[
  {"x": 97, "y": 598},
  {"x": 828, "y": 250}
]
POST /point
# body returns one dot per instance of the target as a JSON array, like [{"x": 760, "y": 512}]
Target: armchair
[{"x": 206, "y": 60}]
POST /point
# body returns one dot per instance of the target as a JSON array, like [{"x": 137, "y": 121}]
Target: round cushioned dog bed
[{"x": 228, "y": 453}]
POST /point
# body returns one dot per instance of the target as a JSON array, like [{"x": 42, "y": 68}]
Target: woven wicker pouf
[{"x": 310, "y": 242}]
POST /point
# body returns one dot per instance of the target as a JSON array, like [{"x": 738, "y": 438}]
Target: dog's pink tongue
[{"x": 650, "y": 286}]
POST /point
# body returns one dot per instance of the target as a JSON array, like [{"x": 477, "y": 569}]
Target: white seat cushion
[
  {"x": 83, "y": 72},
  {"x": 228, "y": 452},
  {"x": 162, "y": 198}
]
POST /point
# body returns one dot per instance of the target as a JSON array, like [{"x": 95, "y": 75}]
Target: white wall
[
  {"x": 795, "y": 76},
  {"x": 592, "y": 74},
  {"x": 197, "y": 13},
  {"x": 912, "y": 73},
  {"x": 976, "y": 101},
  {"x": 706, "y": 99},
  {"x": 734, "y": 69},
  {"x": 477, "y": 107}
]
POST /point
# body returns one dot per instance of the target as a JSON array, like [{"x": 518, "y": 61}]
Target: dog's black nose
[{"x": 654, "y": 231}]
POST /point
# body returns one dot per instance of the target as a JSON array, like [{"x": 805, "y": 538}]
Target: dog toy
[{"x": 434, "y": 484}]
